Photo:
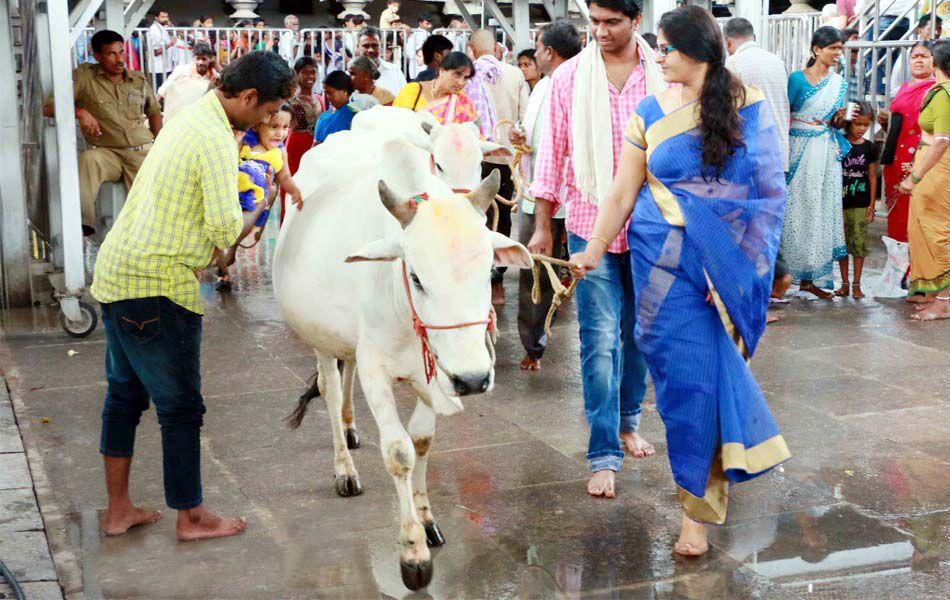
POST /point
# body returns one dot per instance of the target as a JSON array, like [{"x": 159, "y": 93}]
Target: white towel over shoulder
[{"x": 591, "y": 128}]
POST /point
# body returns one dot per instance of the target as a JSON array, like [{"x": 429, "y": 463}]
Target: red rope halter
[{"x": 428, "y": 358}]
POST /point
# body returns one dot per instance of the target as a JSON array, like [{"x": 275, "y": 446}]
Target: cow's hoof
[
  {"x": 347, "y": 486},
  {"x": 434, "y": 535},
  {"x": 416, "y": 576},
  {"x": 352, "y": 438}
]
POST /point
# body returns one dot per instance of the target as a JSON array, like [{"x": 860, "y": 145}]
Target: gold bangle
[{"x": 597, "y": 237}]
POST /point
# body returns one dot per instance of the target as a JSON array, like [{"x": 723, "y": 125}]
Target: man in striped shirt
[
  {"x": 182, "y": 205},
  {"x": 613, "y": 370}
]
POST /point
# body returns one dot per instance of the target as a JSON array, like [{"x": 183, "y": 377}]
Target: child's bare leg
[
  {"x": 845, "y": 288},
  {"x": 858, "y": 267}
]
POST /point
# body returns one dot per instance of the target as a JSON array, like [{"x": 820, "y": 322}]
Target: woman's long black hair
[
  {"x": 822, "y": 38},
  {"x": 692, "y": 31}
]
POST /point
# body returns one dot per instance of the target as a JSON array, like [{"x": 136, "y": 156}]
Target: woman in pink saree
[{"x": 444, "y": 96}]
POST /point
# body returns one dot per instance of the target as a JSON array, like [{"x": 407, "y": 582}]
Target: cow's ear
[
  {"x": 490, "y": 147},
  {"x": 509, "y": 253},
  {"x": 384, "y": 250}
]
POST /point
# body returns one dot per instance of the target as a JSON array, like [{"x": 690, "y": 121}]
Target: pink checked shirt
[{"x": 554, "y": 164}]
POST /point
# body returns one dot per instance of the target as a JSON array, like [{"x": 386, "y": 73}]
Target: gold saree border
[
  {"x": 758, "y": 458},
  {"x": 711, "y": 508}
]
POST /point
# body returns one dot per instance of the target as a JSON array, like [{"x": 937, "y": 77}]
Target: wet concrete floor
[{"x": 861, "y": 511}]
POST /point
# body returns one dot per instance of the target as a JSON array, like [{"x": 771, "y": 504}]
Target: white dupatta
[{"x": 591, "y": 129}]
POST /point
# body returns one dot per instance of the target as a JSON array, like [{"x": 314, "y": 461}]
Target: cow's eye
[{"x": 416, "y": 282}]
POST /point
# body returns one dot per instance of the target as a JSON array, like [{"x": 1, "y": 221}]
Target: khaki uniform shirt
[{"x": 120, "y": 108}]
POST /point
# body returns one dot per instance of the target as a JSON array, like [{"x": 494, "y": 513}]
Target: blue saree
[{"x": 689, "y": 237}]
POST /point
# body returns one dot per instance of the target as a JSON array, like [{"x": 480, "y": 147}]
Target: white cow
[{"x": 428, "y": 255}]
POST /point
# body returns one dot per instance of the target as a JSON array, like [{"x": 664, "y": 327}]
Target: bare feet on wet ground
[
  {"x": 119, "y": 519},
  {"x": 201, "y": 524},
  {"x": 692, "y": 540},
  {"x": 634, "y": 444},
  {"x": 601, "y": 484}
]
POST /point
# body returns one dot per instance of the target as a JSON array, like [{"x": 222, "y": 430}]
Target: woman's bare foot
[
  {"x": 530, "y": 364},
  {"x": 858, "y": 294},
  {"x": 937, "y": 310},
  {"x": 602, "y": 484},
  {"x": 692, "y": 540},
  {"x": 772, "y": 319},
  {"x": 633, "y": 442},
  {"x": 118, "y": 520},
  {"x": 201, "y": 524},
  {"x": 844, "y": 291},
  {"x": 813, "y": 289},
  {"x": 920, "y": 299}
]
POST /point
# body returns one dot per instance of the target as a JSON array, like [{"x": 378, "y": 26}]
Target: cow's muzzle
[{"x": 468, "y": 384}]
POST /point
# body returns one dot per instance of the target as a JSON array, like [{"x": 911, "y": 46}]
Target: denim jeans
[
  {"x": 897, "y": 33},
  {"x": 152, "y": 353},
  {"x": 614, "y": 372}
]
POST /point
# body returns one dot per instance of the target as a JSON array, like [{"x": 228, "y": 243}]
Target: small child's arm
[
  {"x": 872, "y": 176},
  {"x": 287, "y": 183}
]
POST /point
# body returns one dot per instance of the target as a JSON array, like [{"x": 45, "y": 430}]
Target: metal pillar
[
  {"x": 115, "y": 17},
  {"x": 492, "y": 7},
  {"x": 521, "y": 15},
  {"x": 66, "y": 187},
  {"x": 134, "y": 13},
  {"x": 14, "y": 231}
]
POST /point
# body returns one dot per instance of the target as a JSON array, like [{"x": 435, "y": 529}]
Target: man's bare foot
[
  {"x": 772, "y": 319},
  {"x": 602, "y": 484},
  {"x": 692, "y": 540},
  {"x": 634, "y": 443},
  {"x": 813, "y": 289},
  {"x": 937, "y": 310},
  {"x": 530, "y": 364},
  {"x": 117, "y": 521},
  {"x": 201, "y": 524}
]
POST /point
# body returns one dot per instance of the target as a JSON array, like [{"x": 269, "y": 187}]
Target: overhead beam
[
  {"x": 134, "y": 13},
  {"x": 81, "y": 16},
  {"x": 463, "y": 12},
  {"x": 499, "y": 16}
]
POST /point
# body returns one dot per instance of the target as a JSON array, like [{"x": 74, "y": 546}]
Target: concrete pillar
[
  {"x": 652, "y": 11},
  {"x": 114, "y": 17},
  {"x": 14, "y": 232},
  {"x": 522, "y": 22}
]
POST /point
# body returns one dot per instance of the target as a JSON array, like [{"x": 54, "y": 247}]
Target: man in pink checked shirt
[{"x": 574, "y": 147}]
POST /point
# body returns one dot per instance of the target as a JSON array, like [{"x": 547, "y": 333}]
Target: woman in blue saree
[
  {"x": 813, "y": 233},
  {"x": 703, "y": 238}
]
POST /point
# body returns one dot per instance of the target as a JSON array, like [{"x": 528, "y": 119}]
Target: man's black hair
[
  {"x": 203, "y": 49},
  {"x": 371, "y": 31},
  {"x": 426, "y": 17},
  {"x": 104, "y": 38},
  {"x": 563, "y": 37},
  {"x": 264, "y": 71},
  {"x": 630, "y": 8},
  {"x": 435, "y": 44}
]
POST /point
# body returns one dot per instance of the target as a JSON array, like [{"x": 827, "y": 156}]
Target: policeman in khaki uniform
[{"x": 112, "y": 105}]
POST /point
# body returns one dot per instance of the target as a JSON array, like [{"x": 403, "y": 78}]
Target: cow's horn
[
  {"x": 485, "y": 193},
  {"x": 400, "y": 208}
]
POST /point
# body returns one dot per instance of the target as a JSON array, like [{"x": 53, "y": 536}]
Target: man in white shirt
[
  {"x": 508, "y": 94},
  {"x": 289, "y": 40},
  {"x": 759, "y": 68},
  {"x": 556, "y": 44},
  {"x": 414, "y": 44},
  {"x": 160, "y": 43},
  {"x": 391, "y": 77},
  {"x": 188, "y": 83}
]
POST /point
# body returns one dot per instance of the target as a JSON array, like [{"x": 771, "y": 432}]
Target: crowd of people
[{"x": 630, "y": 141}]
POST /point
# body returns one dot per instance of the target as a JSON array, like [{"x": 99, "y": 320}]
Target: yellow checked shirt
[{"x": 183, "y": 203}]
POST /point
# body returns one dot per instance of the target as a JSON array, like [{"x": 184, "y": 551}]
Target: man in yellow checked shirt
[{"x": 183, "y": 205}]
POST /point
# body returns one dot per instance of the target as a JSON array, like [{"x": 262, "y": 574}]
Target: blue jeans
[
  {"x": 613, "y": 370},
  {"x": 153, "y": 348},
  {"x": 897, "y": 33}
]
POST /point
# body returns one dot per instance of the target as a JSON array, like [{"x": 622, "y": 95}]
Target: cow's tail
[{"x": 294, "y": 419}]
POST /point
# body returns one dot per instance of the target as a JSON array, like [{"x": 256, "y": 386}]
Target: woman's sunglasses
[{"x": 665, "y": 49}]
